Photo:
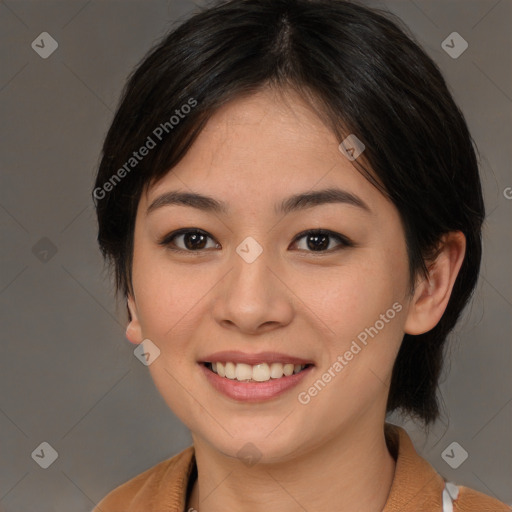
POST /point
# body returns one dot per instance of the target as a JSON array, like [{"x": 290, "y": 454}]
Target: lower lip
[{"x": 253, "y": 391}]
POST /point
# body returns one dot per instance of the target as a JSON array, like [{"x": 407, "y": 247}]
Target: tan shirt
[{"x": 416, "y": 486}]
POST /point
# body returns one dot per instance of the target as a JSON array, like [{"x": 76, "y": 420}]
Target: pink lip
[
  {"x": 253, "y": 391},
  {"x": 235, "y": 356}
]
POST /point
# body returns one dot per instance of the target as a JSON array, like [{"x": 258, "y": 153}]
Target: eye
[
  {"x": 319, "y": 240},
  {"x": 196, "y": 240},
  {"x": 191, "y": 240}
]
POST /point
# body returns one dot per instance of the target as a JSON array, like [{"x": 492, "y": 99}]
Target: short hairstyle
[{"x": 364, "y": 75}]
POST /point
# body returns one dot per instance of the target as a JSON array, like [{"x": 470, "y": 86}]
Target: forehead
[
  {"x": 267, "y": 127},
  {"x": 269, "y": 145}
]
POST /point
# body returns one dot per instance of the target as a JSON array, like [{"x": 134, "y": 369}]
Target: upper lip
[{"x": 235, "y": 356}]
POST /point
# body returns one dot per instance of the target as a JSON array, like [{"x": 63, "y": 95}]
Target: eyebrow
[{"x": 293, "y": 203}]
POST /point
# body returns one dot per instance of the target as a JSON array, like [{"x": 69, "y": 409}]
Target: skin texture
[{"x": 253, "y": 153}]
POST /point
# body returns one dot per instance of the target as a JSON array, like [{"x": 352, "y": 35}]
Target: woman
[{"x": 290, "y": 200}]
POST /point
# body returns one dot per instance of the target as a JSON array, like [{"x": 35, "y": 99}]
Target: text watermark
[
  {"x": 343, "y": 360},
  {"x": 150, "y": 143}
]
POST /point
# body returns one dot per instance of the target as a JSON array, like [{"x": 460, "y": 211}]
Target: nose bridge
[
  {"x": 252, "y": 296},
  {"x": 249, "y": 281}
]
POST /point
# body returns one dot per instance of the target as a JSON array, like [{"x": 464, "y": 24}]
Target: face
[{"x": 247, "y": 283}]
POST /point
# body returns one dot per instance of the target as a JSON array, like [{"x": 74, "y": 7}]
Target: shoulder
[
  {"x": 417, "y": 486},
  {"x": 470, "y": 500},
  {"x": 166, "y": 481}
]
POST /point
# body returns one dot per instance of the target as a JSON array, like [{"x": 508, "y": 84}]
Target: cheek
[
  {"x": 168, "y": 307},
  {"x": 363, "y": 306},
  {"x": 169, "y": 300},
  {"x": 168, "y": 295},
  {"x": 364, "y": 312},
  {"x": 350, "y": 298}
]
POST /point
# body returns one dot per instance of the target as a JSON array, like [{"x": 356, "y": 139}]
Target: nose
[{"x": 253, "y": 297}]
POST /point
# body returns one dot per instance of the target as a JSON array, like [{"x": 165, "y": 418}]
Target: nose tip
[
  {"x": 252, "y": 299},
  {"x": 250, "y": 326}
]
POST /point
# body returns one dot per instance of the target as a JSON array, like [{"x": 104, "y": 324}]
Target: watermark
[
  {"x": 174, "y": 120},
  {"x": 146, "y": 352},
  {"x": 249, "y": 249},
  {"x": 343, "y": 360},
  {"x": 454, "y": 45},
  {"x": 157, "y": 135},
  {"x": 507, "y": 193},
  {"x": 351, "y": 147},
  {"x": 44, "y": 45},
  {"x": 249, "y": 454},
  {"x": 44, "y": 249},
  {"x": 45, "y": 455},
  {"x": 454, "y": 455}
]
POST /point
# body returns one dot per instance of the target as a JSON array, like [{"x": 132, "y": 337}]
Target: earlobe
[
  {"x": 133, "y": 329},
  {"x": 431, "y": 295}
]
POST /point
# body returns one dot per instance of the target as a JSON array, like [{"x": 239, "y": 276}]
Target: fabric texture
[{"x": 416, "y": 486}]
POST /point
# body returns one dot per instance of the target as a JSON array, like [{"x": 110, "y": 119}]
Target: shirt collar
[{"x": 416, "y": 486}]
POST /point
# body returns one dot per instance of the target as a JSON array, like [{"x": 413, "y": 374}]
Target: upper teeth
[{"x": 258, "y": 372}]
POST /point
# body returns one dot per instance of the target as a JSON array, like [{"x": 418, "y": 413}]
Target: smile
[
  {"x": 255, "y": 382},
  {"x": 261, "y": 372}
]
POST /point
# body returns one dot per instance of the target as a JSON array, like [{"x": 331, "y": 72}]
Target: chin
[{"x": 257, "y": 443}]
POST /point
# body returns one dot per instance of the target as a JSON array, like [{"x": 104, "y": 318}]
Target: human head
[{"x": 363, "y": 75}]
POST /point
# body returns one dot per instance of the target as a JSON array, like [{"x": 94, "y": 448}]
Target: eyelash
[{"x": 167, "y": 240}]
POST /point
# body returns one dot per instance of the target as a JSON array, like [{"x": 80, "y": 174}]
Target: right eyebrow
[{"x": 199, "y": 201}]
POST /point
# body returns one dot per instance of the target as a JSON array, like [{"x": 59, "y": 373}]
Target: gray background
[{"x": 68, "y": 375}]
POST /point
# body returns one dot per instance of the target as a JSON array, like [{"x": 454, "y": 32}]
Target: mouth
[
  {"x": 253, "y": 377},
  {"x": 262, "y": 372}
]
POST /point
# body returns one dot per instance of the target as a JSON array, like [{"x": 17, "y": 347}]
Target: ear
[
  {"x": 431, "y": 295},
  {"x": 133, "y": 330}
]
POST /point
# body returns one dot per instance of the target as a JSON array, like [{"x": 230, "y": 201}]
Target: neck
[{"x": 354, "y": 471}]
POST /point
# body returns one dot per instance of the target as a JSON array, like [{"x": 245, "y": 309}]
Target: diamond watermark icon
[
  {"x": 454, "y": 45},
  {"x": 45, "y": 455},
  {"x": 44, "y": 249},
  {"x": 454, "y": 455},
  {"x": 249, "y": 249},
  {"x": 351, "y": 147},
  {"x": 146, "y": 352},
  {"x": 44, "y": 45},
  {"x": 249, "y": 454}
]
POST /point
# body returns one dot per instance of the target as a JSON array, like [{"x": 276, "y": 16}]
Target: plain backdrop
[{"x": 68, "y": 376}]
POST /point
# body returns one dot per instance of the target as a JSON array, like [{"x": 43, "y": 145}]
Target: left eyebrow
[
  {"x": 293, "y": 203},
  {"x": 319, "y": 197}
]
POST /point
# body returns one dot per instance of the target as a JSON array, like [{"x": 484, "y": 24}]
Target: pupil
[
  {"x": 193, "y": 238},
  {"x": 315, "y": 239}
]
